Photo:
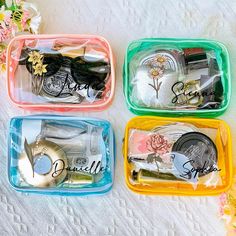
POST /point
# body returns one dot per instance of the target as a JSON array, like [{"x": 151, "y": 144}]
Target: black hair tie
[{"x": 90, "y": 72}]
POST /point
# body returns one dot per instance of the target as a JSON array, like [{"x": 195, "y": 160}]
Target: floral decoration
[
  {"x": 228, "y": 209},
  {"x": 35, "y": 57},
  {"x": 38, "y": 68},
  {"x": 157, "y": 69},
  {"x": 158, "y": 144},
  {"x": 156, "y": 73},
  {"x": 15, "y": 16},
  {"x": 159, "y": 147},
  {"x": 160, "y": 59}
]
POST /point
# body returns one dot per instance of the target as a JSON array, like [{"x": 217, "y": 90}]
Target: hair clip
[{"x": 187, "y": 94}]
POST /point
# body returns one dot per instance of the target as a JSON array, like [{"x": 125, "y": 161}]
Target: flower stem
[{"x": 156, "y": 89}]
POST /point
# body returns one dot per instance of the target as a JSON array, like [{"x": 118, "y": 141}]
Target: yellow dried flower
[
  {"x": 35, "y": 57},
  {"x": 39, "y": 69}
]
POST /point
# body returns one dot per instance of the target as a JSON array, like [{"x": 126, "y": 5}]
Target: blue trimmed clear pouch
[{"x": 61, "y": 155}]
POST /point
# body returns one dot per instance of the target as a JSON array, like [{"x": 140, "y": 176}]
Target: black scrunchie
[{"x": 89, "y": 72}]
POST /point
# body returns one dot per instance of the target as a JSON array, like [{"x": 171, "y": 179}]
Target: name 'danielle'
[
  {"x": 59, "y": 166},
  {"x": 179, "y": 91}
]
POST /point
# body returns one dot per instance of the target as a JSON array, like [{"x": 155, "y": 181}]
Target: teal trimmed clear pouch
[
  {"x": 177, "y": 77},
  {"x": 61, "y": 155}
]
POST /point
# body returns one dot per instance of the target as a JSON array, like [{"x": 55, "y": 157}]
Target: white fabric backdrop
[{"x": 121, "y": 212}]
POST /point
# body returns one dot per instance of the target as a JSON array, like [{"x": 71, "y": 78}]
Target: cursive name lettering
[
  {"x": 59, "y": 166},
  {"x": 96, "y": 85},
  {"x": 179, "y": 91},
  {"x": 205, "y": 169}
]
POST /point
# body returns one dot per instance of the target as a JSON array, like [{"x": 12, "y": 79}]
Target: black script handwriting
[
  {"x": 205, "y": 169},
  {"x": 179, "y": 90},
  {"x": 96, "y": 85},
  {"x": 59, "y": 166}
]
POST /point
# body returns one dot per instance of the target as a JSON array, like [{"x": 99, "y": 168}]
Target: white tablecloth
[{"x": 120, "y": 212}]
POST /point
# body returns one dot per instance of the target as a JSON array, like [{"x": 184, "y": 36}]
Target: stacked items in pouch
[
  {"x": 66, "y": 74},
  {"x": 187, "y": 78},
  {"x": 174, "y": 152},
  {"x": 60, "y": 72},
  {"x": 61, "y": 155}
]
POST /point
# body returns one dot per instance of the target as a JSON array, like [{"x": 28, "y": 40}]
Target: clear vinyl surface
[
  {"x": 64, "y": 155},
  {"x": 174, "y": 76},
  {"x": 174, "y": 156},
  {"x": 60, "y": 72}
]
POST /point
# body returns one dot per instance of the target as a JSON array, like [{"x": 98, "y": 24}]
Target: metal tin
[
  {"x": 58, "y": 160},
  {"x": 199, "y": 149}
]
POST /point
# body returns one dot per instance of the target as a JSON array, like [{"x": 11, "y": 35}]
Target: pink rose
[{"x": 158, "y": 144}]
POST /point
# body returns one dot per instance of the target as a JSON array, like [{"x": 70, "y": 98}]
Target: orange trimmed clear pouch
[
  {"x": 60, "y": 72},
  {"x": 177, "y": 156}
]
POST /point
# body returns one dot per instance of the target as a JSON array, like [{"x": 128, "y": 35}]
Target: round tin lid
[{"x": 199, "y": 149}]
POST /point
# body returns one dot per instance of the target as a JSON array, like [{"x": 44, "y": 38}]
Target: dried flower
[
  {"x": 35, "y": 57},
  {"x": 160, "y": 59},
  {"x": 156, "y": 72},
  {"x": 4, "y": 33},
  {"x": 158, "y": 144},
  {"x": 39, "y": 69},
  {"x": 5, "y": 16},
  {"x": 16, "y": 16}
]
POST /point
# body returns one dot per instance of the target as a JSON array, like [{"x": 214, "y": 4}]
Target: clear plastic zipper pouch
[
  {"x": 170, "y": 77},
  {"x": 61, "y": 155},
  {"x": 177, "y": 156},
  {"x": 60, "y": 72}
]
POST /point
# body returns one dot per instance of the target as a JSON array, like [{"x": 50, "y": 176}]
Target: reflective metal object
[
  {"x": 199, "y": 149},
  {"x": 56, "y": 174}
]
